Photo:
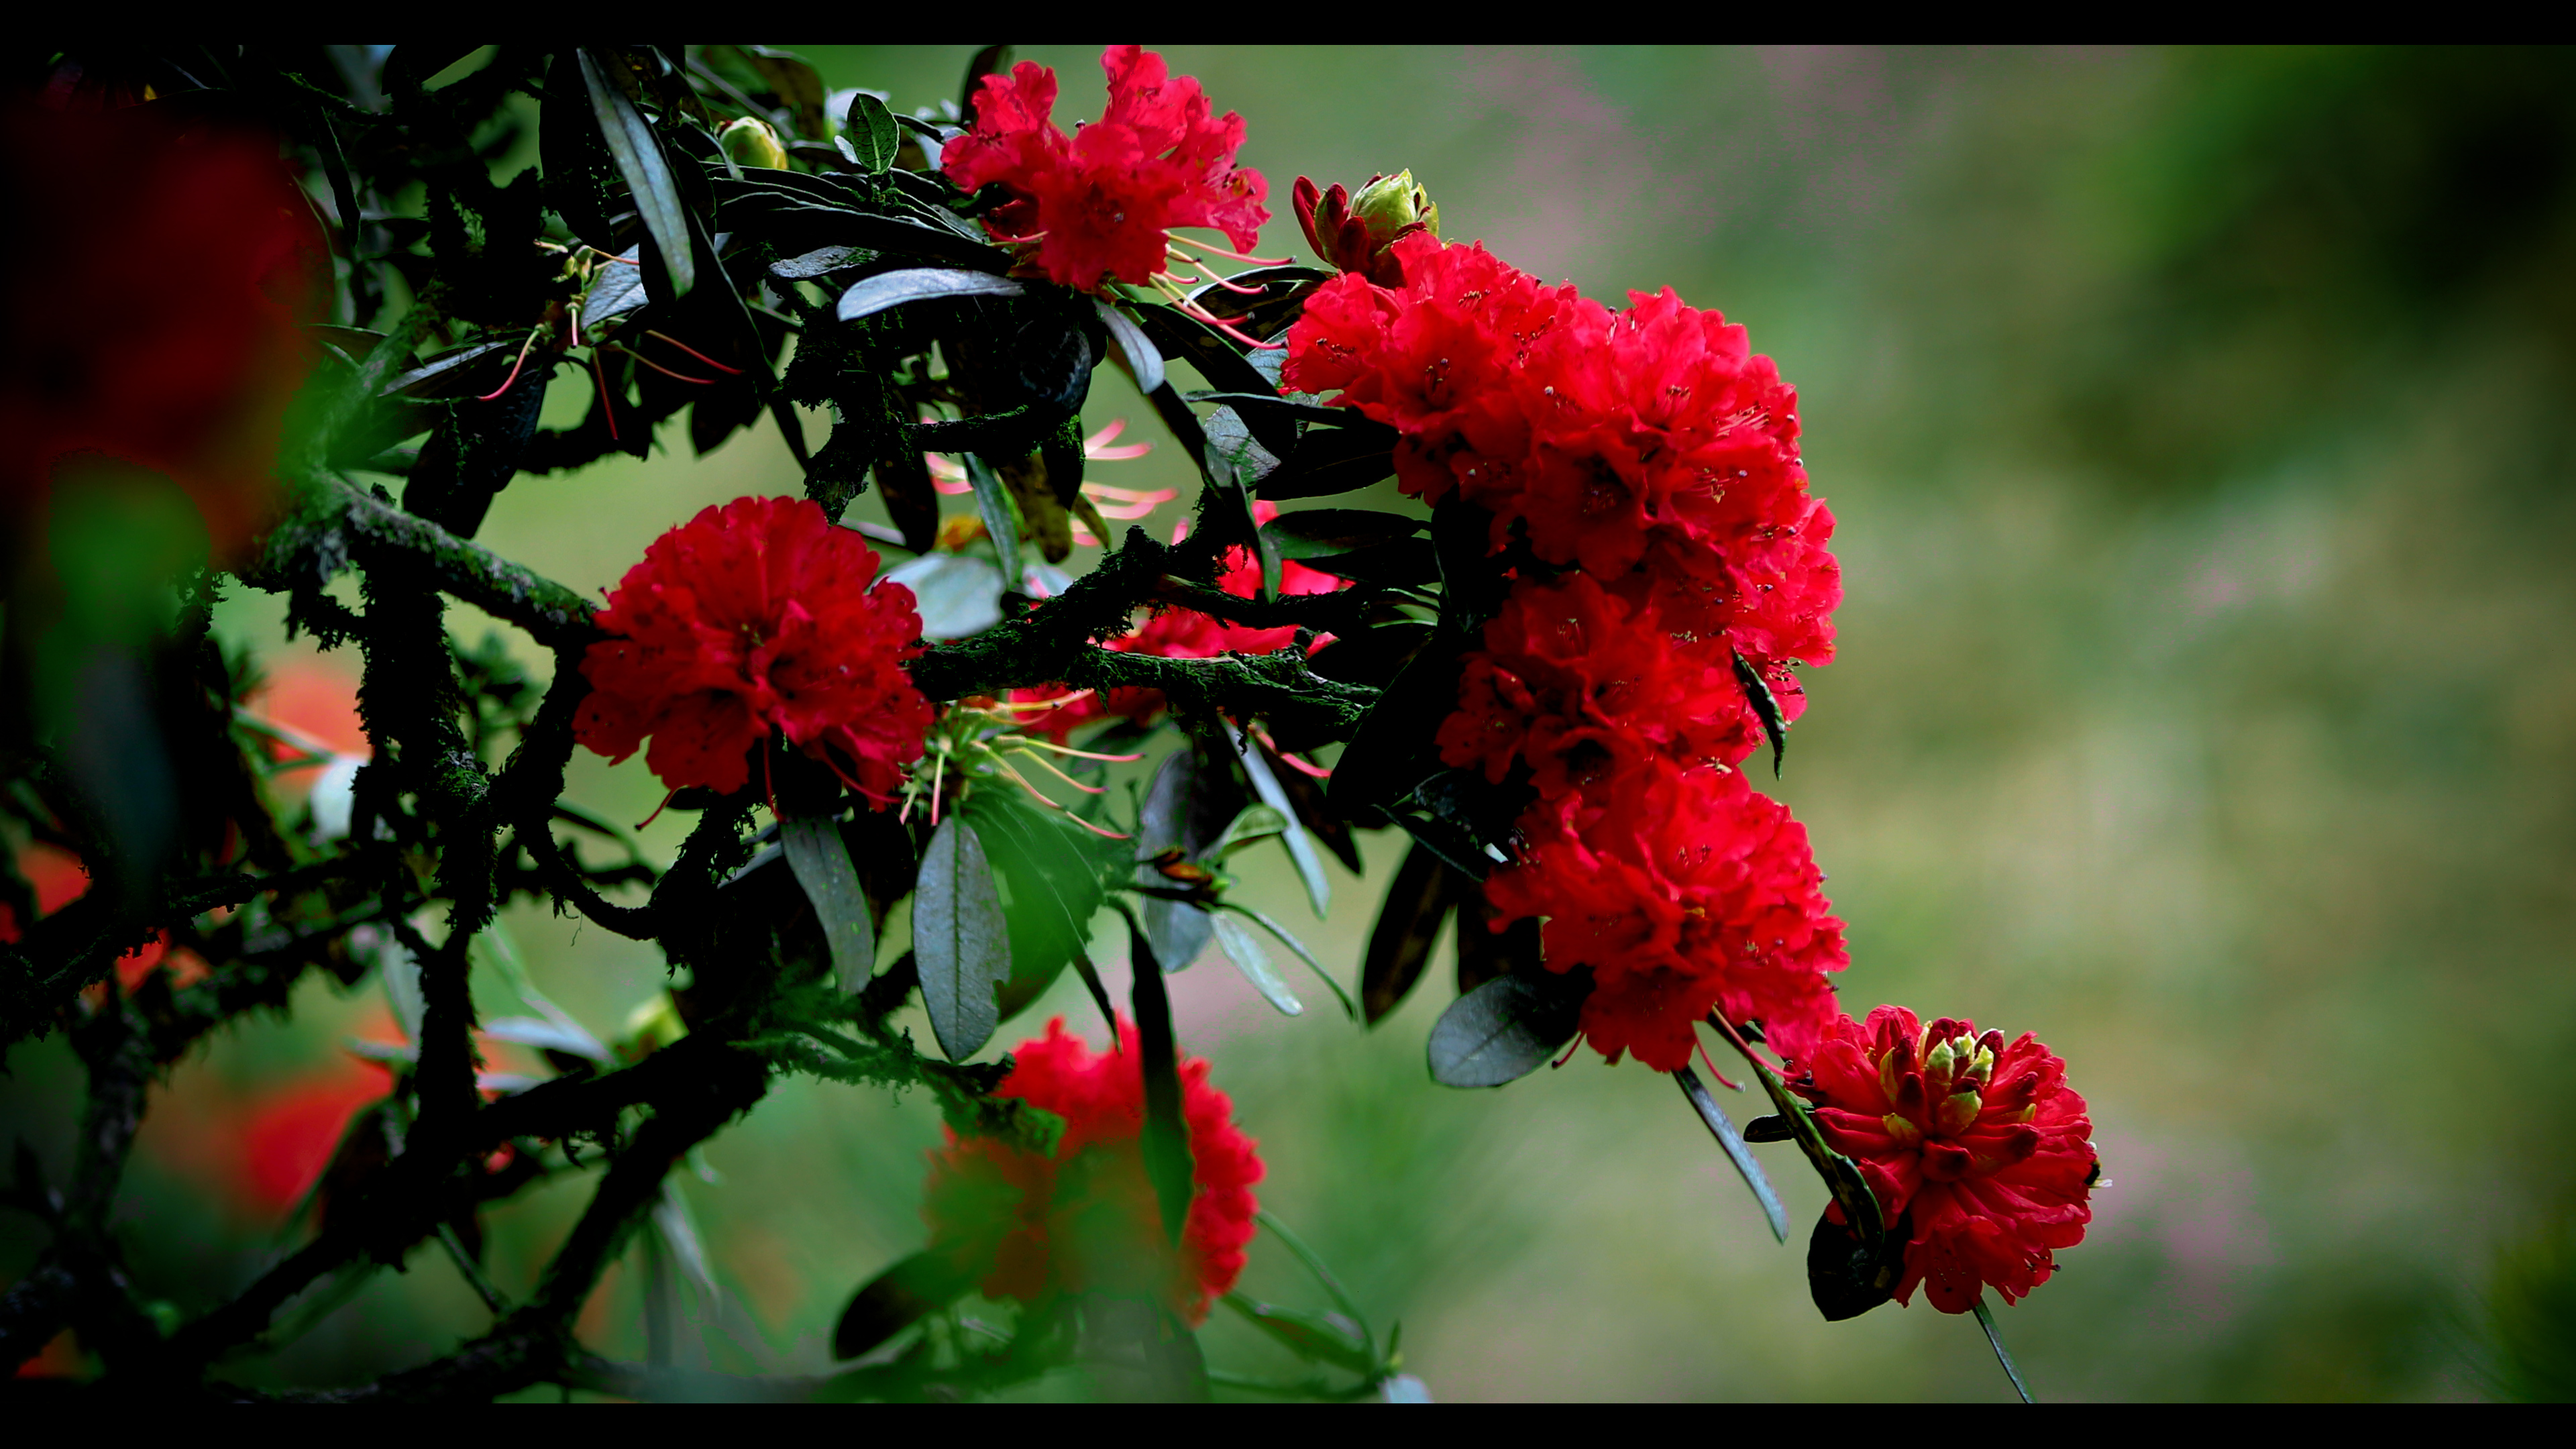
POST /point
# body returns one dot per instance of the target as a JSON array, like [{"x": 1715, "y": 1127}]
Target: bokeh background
[{"x": 2199, "y": 426}]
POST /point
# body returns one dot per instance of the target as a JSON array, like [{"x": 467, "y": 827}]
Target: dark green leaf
[
  {"x": 961, "y": 939},
  {"x": 1769, "y": 1129},
  {"x": 1187, "y": 807},
  {"x": 1485, "y": 953},
  {"x": 1315, "y": 1337},
  {"x": 1373, "y": 655},
  {"x": 795, "y": 83},
  {"x": 638, "y": 155},
  {"x": 1406, "y": 564},
  {"x": 1166, "y": 1141},
  {"x": 1323, "y": 532},
  {"x": 1306, "y": 804},
  {"x": 1848, "y": 1277},
  {"x": 820, "y": 261},
  {"x": 1256, "y": 821},
  {"x": 1297, "y": 948},
  {"x": 1731, "y": 1143},
  {"x": 1255, "y": 404},
  {"x": 821, "y": 861},
  {"x": 1392, "y": 750},
  {"x": 1001, "y": 520},
  {"x": 1144, "y": 360},
  {"x": 1189, "y": 340},
  {"x": 897, "y": 1298},
  {"x": 1505, "y": 1029},
  {"x": 1472, "y": 584},
  {"x": 1851, "y": 1190},
  {"x": 893, "y": 289},
  {"x": 1774, "y": 724},
  {"x": 1417, "y": 902},
  {"x": 1332, "y": 460}
]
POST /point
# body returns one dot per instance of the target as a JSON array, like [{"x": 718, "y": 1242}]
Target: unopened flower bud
[
  {"x": 1353, "y": 234},
  {"x": 751, "y": 142}
]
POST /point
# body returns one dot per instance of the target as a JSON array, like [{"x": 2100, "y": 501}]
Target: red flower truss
[
  {"x": 1583, "y": 681},
  {"x": 1085, "y": 1219},
  {"x": 1102, "y": 202},
  {"x": 1684, "y": 890},
  {"x": 753, "y": 617},
  {"x": 1981, "y": 1140}
]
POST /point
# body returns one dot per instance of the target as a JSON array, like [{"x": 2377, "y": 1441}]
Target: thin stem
[
  {"x": 1245, "y": 257},
  {"x": 657, "y": 367},
  {"x": 514, "y": 367},
  {"x": 1986, "y": 1321},
  {"x": 693, "y": 352}
]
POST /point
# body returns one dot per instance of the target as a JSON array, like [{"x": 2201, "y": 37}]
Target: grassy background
[{"x": 2197, "y": 425}]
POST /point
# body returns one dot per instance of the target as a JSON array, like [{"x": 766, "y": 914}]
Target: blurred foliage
[{"x": 2207, "y": 694}]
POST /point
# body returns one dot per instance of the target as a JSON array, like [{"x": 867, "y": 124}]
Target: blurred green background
[{"x": 2199, "y": 428}]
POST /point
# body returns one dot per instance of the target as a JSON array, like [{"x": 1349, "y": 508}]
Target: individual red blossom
[
  {"x": 1582, "y": 681},
  {"x": 1102, "y": 202},
  {"x": 1684, "y": 890},
  {"x": 1084, "y": 1218},
  {"x": 1980, "y": 1140},
  {"x": 753, "y": 617},
  {"x": 1176, "y": 633}
]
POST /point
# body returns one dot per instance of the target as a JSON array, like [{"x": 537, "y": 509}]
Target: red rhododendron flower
[
  {"x": 1684, "y": 890},
  {"x": 751, "y": 617},
  {"x": 1102, "y": 202},
  {"x": 1981, "y": 1141},
  {"x": 1582, "y": 681},
  {"x": 1176, "y": 633},
  {"x": 1085, "y": 1218},
  {"x": 151, "y": 311}
]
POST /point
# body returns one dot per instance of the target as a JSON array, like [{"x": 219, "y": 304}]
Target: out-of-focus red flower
[
  {"x": 1102, "y": 202},
  {"x": 1980, "y": 1139},
  {"x": 287, "y": 1134},
  {"x": 1583, "y": 681},
  {"x": 59, "y": 879},
  {"x": 156, "y": 273},
  {"x": 751, "y": 617},
  {"x": 1175, "y": 633},
  {"x": 1683, "y": 890},
  {"x": 1085, "y": 1219}
]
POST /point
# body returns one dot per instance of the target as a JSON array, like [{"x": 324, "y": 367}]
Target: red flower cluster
[
  {"x": 1652, "y": 435},
  {"x": 1183, "y": 634},
  {"x": 752, "y": 617},
  {"x": 1102, "y": 202},
  {"x": 1654, "y": 454},
  {"x": 1982, "y": 1141},
  {"x": 1085, "y": 1218}
]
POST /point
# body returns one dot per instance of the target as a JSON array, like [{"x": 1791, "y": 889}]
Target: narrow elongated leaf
[
  {"x": 1255, "y": 822},
  {"x": 1271, "y": 404},
  {"x": 1050, "y": 872},
  {"x": 874, "y": 136},
  {"x": 1144, "y": 359},
  {"x": 1485, "y": 953},
  {"x": 1407, "y": 563},
  {"x": 960, "y": 939},
  {"x": 1392, "y": 751},
  {"x": 916, "y": 284},
  {"x": 896, "y": 1299},
  {"x": 1322, "y": 532},
  {"x": 1332, "y": 460},
  {"x": 1774, "y": 723},
  {"x": 1315, "y": 1337},
  {"x": 1298, "y": 949},
  {"x": 819, "y": 261},
  {"x": 638, "y": 154},
  {"x": 1505, "y": 1029},
  {"x": 821, "y": 862},
  {"x": 1165, "y": 1143},
  {"x": 1187, "y": 807},
  {"x": 1245, "y": 950},
  {"x": 1731, "y": 1142},
  {"x": 1417, "y": 902},
  {"x": 545, "y": 1036},
  {"x": 1306, "y": 795},
  {"x": 1300, "y": 845},
  {"x": 993, "y": 503},
  {"x": 1847, "y": 1276}
]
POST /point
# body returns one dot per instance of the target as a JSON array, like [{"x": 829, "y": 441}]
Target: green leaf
[
  {"x": 960, "y": 939},
  {"x": 1049, "y": 870},
  {"x": 1254, "y": 823},
  {"x": 1165, "y": 1143},
  {"x": 1001, "y": 520},
  {"x": 1732, "y": 1143},
  {"x": 1190, "y": 802},
  {"x": 896, "y": 1299},
  {"x": 1392, "y": 751},
  {"x": 893, "y": 289},
  {"x": 1847, "y": 1276},
  {"x": 874, "y": 137},
  {"x": 1244, "y": 949},
  {"x": 638, "y": 156},
  {"x": 1311, "y": 1336},
  {"x": 1418, "y": 900},
  {"x": 1144, "y": 360},
  {"x": 1503, "y": 1030},
  {"x": 1349, "y": 1007},
  {"x": 1774, "y": 723},
  {"x": 821, "y": 862},
  {"x": 1314, "y": 1263},
  {"x": 1300, "y": 845},
  {"x": 1332, "y": 460},
  {"x": 1850, "y": 1189}
]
